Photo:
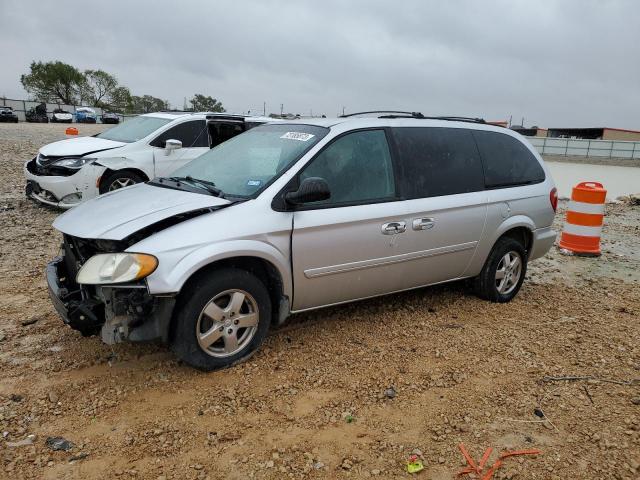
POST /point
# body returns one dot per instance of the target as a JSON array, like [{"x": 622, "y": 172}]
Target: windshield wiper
[{"x": 205, "y": 184}]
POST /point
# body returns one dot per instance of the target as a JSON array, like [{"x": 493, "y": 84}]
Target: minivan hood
[
  {"x": 78, "y": 146},
  {"x": 116, "y": 215}
]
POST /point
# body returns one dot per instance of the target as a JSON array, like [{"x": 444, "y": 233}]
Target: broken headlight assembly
[
  {"x": 110, "y": 268},
  {"x": 73, "y": 163}
]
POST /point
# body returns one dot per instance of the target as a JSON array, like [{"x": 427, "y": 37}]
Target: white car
[{"x": 68, "y": 172}]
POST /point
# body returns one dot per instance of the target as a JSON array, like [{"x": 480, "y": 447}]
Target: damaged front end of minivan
[{"x": 118, "y": 309}]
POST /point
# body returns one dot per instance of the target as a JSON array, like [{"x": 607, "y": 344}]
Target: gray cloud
[{"x": 553, "y": 62}]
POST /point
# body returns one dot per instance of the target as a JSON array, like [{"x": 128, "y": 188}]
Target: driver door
[{"x": 346, "y": 247}]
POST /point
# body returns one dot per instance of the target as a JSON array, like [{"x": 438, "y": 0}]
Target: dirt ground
[{"x": 346, "y": 392}]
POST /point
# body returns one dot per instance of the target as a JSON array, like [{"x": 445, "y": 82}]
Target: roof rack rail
[
  {"x": 459, "y": 119},
  {"x": 418, "y": 115},
  {"x": 404, "y": 114}
]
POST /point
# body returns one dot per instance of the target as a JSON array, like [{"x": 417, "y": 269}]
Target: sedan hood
[
  {"x": 78, "y": 146},
  {"x": 116, "y": 215}
]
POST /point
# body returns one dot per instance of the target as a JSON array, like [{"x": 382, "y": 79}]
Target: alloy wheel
[
  {"x": 119, "y": 183},
  {"x": 227, "y": 323},
  {"x": 508, "y": 272}
]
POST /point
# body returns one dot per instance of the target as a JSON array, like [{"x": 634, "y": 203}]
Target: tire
[
  {"x": 488, "y": 285},
  {"x": 119, "y": 179},
  {"x": 193, "y": 329}
]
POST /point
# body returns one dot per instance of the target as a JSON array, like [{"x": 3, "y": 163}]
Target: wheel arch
[
  {"x": 519, "y": 227},
  {"x": 107, "y": 173},
  {"x": 262, "y": 268}
]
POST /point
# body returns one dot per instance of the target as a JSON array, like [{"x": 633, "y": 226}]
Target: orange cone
[
  {"x": 583, "y": 226},
  {"x": 71, "y": 131}
]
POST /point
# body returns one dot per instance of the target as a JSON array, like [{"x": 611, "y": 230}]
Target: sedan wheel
[
  {"x": 119, "y": 183},
  {"x": 228, "y": 323}
]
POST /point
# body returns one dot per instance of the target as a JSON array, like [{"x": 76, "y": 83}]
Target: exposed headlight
[
  {"x": 73, "y": 162},
  {"x": 107, "y": 268}
]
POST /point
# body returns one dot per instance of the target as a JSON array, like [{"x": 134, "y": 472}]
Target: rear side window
[
  {"x": 507, "y": 162},
  {"x": 191, "y": 134},
  {"x": 438, "y": 161}
]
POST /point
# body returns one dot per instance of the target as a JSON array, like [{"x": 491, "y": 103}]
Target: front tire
[
  {"x": 221, "y": 319},
  {"x": 118, "y": 180},
  {"x": 503, "y": 272}
]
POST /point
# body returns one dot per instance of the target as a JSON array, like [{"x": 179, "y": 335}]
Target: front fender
[
  {"x": 120, "y": 163},
  {"x": 177, "y": 266}
]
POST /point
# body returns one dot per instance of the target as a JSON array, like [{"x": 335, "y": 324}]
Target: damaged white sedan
[{"x": 68, "y": 172}]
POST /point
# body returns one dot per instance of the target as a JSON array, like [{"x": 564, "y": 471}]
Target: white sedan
[{"x": 68, "y": 172}]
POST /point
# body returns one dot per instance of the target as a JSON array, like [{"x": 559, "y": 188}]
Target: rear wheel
[
  {"x": 503, "y": 272},
  {"x": 221, "y": 320},
  {"x": 118, "y": 180}
]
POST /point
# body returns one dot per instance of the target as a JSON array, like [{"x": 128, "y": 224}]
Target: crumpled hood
[
  {"x": 78, "y": 146},
  {"x": 118, "y": 214}
]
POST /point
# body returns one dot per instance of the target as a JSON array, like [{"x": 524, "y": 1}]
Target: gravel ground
[{"x": 343, "y": 392}]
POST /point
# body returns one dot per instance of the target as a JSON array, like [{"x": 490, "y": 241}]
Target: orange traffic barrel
[
  {"x": 583, "y": 225},
  {"x": 71, "y": 131}
]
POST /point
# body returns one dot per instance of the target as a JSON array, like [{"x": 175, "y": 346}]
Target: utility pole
[
  {"x": 264, "y": 109},
  {"x": 343, "y": 110},
  {"x": 281, "y": 109}
]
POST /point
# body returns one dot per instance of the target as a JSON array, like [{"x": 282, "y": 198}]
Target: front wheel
[
  {"x": 221, "y": 320},
  {"x": 503, "y": 273},
  {"x": 118, "y": 180}
]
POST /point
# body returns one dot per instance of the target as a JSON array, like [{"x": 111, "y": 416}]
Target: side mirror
[
  {"x": 312, "y": 189},
  {"x": 171, "y": 145}
]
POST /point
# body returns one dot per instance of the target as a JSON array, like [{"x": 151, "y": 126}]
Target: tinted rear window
[
  {"x": 438, "y": 161},
  {"x": 507, "y": 161}
]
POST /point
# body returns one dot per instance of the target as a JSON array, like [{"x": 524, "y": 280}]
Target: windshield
[
  {"x": 134, "y": 129},
  {"x": 242, "y": 166}
]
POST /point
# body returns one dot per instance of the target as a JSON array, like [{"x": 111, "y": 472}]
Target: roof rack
[
  {"x": 459, "y": 119},
  {"x": 418, "y": 115},
  {"x": 389, "y": 112}
]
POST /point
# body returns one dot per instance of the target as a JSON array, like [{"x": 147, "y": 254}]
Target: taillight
[{"x": 553, "y": 198}]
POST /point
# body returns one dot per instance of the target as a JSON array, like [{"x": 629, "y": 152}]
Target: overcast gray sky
[{"x": 554, "y": 62}]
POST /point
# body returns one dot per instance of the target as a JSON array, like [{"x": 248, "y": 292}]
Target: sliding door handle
[
  {"x": 393, "y": 228},
  {"x": 424, "y": 223}
]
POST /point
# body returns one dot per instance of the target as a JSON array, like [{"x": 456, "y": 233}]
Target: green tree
[
  {"x": 53, "y": 81},
  {"x": 119, "y": 100},
  {"x": 146, "y": 104},
  {"x": 97, "y": 87},
  {"x": 202, "y": 103}
]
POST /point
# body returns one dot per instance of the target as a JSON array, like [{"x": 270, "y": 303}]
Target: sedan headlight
[
  {"x": 73, "y": 163},
  {"x": 107, "y": 268}
]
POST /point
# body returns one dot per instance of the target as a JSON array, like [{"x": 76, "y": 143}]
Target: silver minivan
[{"x": 290, "y": 217}]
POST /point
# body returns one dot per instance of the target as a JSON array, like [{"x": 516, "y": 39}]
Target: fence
[
  {"x": 20, "y": 107},
  {"x": 585, "y": 148}
]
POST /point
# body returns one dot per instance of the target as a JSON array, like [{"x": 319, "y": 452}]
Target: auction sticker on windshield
[{"x": 303, "y": 137}]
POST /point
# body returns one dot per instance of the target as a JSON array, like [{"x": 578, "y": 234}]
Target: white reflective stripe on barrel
[
  {"x": 582, "y": 207},
  {"x": 581, "y": 230}
]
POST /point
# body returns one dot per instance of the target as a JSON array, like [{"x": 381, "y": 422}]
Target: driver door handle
[{"x": 393, "y": 228}]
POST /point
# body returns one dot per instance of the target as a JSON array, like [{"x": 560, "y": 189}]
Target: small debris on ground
[
  {"x": 59, "y": 443},
  {"x": 80, "y": 456},
  {"x": 390, "y": 392},
  {"x": 29, "y": 321},
  {"x": 22, "y": 443}
]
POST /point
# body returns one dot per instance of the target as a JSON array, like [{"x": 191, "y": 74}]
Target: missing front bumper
[
  {"x": 83, "y": 314},
  {"x": 118, "y": 314}
]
